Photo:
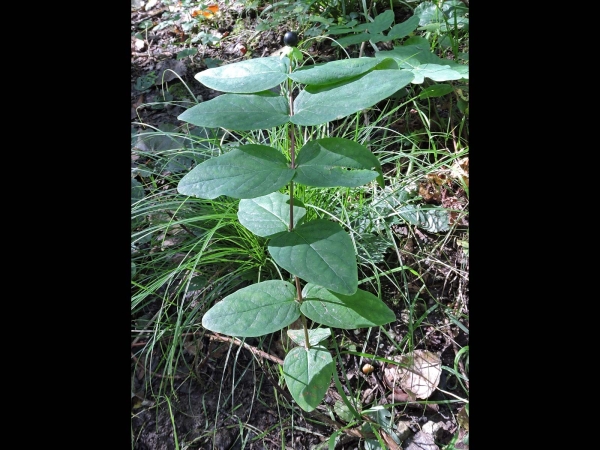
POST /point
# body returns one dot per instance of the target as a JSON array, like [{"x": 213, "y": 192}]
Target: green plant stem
[
  {"x": 292, "y": 155},
  {"x": 291, "y": 224}
]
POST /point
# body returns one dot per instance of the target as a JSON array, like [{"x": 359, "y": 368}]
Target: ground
[{"x": 230, "y": 399}]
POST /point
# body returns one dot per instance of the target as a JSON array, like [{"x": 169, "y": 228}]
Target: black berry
[{"x": 290, "y": 38}]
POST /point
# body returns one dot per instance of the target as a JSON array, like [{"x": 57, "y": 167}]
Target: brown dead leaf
[
  {"x": 430, "y": 192},
  {"x": 166, "y": 69},
  {"x": 389, "y": 441},
  {"x": 139, "y": 45},
  {"x": 209, "y": 12},
  {"x": 193, "y": 346},
  {"x": 460, "y": 169},
  {"x": 139, "y": 101},
  {"x": 418, "y": 373}
]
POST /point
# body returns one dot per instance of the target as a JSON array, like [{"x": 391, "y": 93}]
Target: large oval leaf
[
  {"x": 415, "y": 55},
  {"x": 255, "y": 310},
  {"x": 239, "y": 112},
  {"x": 253, "y": 75},
  {"x": 333, "y": 71},
  {"x": 319, "y": 252},
  {"x": 403, "y": 29},
  {"x": 436, "y": 90},
  {"x": 360, "y": 310},
  {"x": 332, "y": 162},
  {"x": 245, "y": 172},
  {"x": 308, "y": 374},
  {"x": 319, "y": 104},
  {"x": 270, "y": 214}
]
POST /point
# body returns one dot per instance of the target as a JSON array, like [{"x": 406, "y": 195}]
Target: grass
[{"x": 188, "y": 253}]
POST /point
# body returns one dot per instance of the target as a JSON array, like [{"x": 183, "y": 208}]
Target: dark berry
[{"x": 290, "y": 38}]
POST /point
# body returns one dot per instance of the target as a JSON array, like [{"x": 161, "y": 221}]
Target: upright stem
[
  {"x": 292, "y": 151},
  {"x": 292, "y": 138}
]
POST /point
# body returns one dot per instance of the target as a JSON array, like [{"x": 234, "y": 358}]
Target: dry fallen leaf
[
  {"x": 139, "y": 45},
  {"x": 210, "y": 11},
  {"x": 418, "y": 373},
  {"x": 460, "y": 169}
]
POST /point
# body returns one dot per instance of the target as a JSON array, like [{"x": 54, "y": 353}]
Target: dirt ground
[{"x": 230, "y": 400}]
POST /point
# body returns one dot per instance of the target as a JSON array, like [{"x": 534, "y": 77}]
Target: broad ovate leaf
[
  {"x": 333, "y": 71},
  {"x": 436, "y": 90},
  {"x": 308, "y": 374},
  {"x": 253, "y": 75},
  {"x": 382, "y": 22},
  {"x": 319, "y": 252},
  {"x": 403, "y": 29},
  {"x": 359, "y": 310},
  {"x": 255, "y": 310},
  {"x": 270, "y": 214},
  {"x": 415, "y": 55},
  {"x": 354, "y": 39},
  {"x": 436, "y": 72},
  {"x": 332, "y": 162},
  {"x": 239, "y": 112},
  {"x": 319, "y": 104},
  {"x": 418, "y": 373},
  {"x": 245, "y": 172}
]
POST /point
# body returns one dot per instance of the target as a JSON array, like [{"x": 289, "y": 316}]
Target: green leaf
[
  {"x": 308, "y": 374},
  {"x": 334, "y": 71},
  {"x": 212, "y": 62},
  {"x": 239, "y": 112},
  {"x": 437, "y": 90},
  {"x": 270, "y": 214},
  {"x": 354, "y": 39},
  {"x": 360, "y": 310},
  {"x": 160, "y": 141},
  {"x": 332, "y": 162},
  {"x": 414, "y": 47},
  {"x": 429, "y": 12},
  {"x": 342, "y": 410},
  {"x": 436, "y": 72},
  {"x": 137, "y": 191},
  {"x": 255, "y": 310},
  {"x": 319, "y": 104},
  {"x": 186, "y": 52},
  {"x": 314, "y": 336},
  {"x": 253, "y": 75},
  {"x": 319, "y": 252},
  {"x": 381, "y": 22},
  {"x": 403, "y": 29},
  {"x": 430, "y": 218},
  {"x": 415, "y": 56},
  {"x": 246, "y": 172},
  {"x": 340, "y": 29}
]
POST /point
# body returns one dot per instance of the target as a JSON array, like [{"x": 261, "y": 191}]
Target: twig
[
  {"x": 257, "y": 352},
  {"x": 172, "y": 216},
  {"x": 152, "y": 14}
]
